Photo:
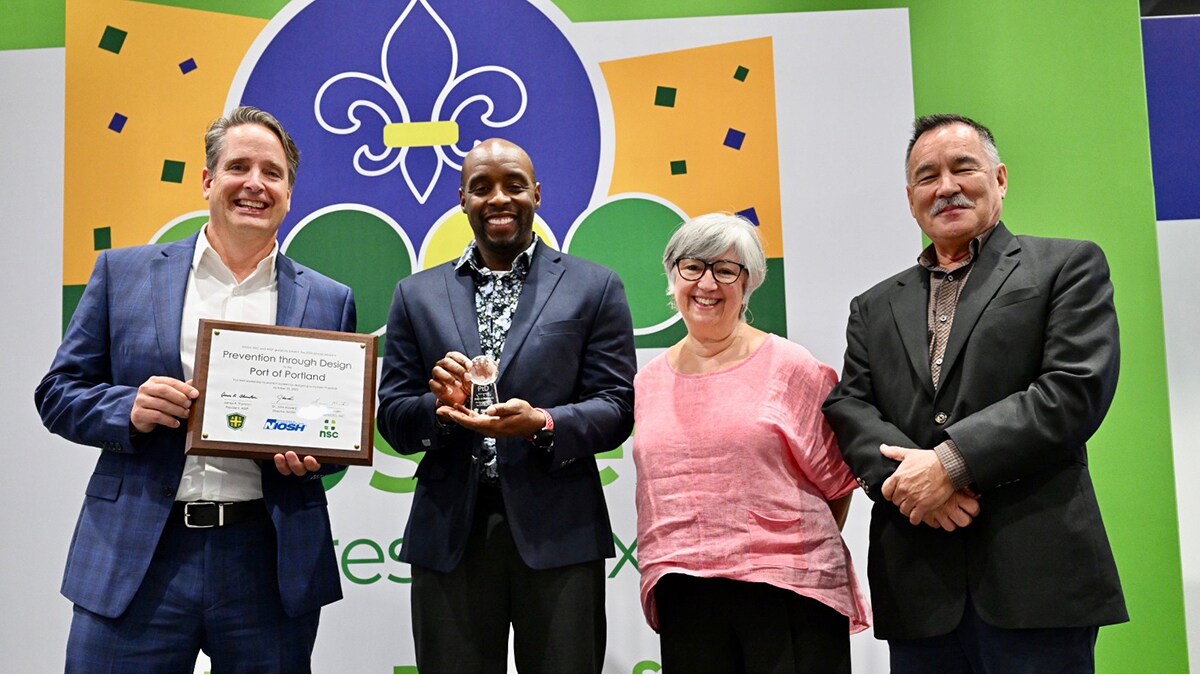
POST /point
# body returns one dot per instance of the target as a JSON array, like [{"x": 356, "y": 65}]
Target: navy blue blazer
[
  {"x": 125, "y": 330},
  {"x": 570, "y": 350}
]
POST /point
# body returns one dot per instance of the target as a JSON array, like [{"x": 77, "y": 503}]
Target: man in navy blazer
[
  {"x": 972, "y": 382},
  {"x": 508, "y": 523},
  {"x": 175, "y": 554}
]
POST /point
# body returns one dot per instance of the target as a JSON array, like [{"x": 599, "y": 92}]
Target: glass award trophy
[{"x": 483, "y": 374}]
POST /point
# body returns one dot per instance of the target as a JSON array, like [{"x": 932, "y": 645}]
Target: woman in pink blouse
[{"x": 741, "y": 489}]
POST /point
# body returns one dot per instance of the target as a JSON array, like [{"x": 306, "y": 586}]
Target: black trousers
[
  {"x": 976, "y": 646},
  {"x": 728, "y": 626},
  {"x": 461, "y": 618}
]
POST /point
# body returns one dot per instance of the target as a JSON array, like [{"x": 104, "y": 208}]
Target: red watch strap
[{"x": 549, "y": 420}]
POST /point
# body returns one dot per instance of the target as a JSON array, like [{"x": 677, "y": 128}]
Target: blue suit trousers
[{"x": 212, "y": 589}]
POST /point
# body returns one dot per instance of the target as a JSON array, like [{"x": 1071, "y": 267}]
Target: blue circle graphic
[{"x": 338, "y": 72}]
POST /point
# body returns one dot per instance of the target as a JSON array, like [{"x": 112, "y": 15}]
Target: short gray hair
[
  {"x": 708, "y": 236},
  {"x": 214, "y": 138},
  {"x": 926, "y": 123}
]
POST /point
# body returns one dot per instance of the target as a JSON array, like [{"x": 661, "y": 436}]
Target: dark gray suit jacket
[
  {"x": 1030, "y": 370},
  {"x": 570, "y": 350}
]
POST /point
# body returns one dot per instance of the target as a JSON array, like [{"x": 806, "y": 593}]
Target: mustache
[{"x": 958, "y": 199}]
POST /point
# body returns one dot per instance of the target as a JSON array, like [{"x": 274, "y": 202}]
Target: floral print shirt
[{"x": 496, "y": 296}]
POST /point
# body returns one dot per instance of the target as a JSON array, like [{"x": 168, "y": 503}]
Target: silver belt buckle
[{"x": 187, "y": 514}]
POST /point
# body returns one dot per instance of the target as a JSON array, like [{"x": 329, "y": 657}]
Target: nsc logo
[
  {"x": 330, "y": 429},
  {"x": 273, "y": 424}
]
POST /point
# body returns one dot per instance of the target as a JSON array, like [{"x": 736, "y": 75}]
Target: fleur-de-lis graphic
[{"x": 401, "y": 134}]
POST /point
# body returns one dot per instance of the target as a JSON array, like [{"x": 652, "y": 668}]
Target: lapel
[
  {"x": 995, "y": 264},
  {"x": 544, "y": 272},
  {"x": 460, "y": 289},
  {"x": 293, "y": 292},
  {"x": 169, "y": 275},
  {"x": 910, "y": 307}
]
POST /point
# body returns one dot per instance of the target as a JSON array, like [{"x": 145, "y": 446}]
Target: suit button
[
  {"x": 168, "y": 491},
  {"x": 863, "y": 484},
  {"x": 940, "y": 418}
]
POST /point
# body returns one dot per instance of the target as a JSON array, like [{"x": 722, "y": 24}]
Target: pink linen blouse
[{"x": 734, "y": 469}]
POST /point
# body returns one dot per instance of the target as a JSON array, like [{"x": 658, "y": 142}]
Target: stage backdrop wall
[{"x": 793, "y": 113}]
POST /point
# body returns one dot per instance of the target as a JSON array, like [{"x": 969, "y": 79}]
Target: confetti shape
[
  {"x": 735, "y": 138},
  {"x": 113, "y": 39},
  {"x": 172, "y": 171},
  {"x": 102, "y": 238}
]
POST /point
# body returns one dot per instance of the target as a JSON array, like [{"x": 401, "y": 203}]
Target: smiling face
[
  {"x": 500, "y": 194},
  {"x": 248, "y": 192},
  {"x": 955, "y": 191},
  {"x": 710, "y": 309}
]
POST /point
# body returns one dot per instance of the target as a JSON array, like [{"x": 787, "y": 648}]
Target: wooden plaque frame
[{"x": 197, "y": 442}]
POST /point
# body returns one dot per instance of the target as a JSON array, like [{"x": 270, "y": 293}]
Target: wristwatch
[{"x": 543, "y": 438}]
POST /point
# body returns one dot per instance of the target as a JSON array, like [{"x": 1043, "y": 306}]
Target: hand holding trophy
[
  {"x": 483, "y": 373},
  {"x": 467, "y": 396}
]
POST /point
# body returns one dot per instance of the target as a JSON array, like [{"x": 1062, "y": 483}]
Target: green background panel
[
  {"x": 32, "y": 24},
  {"x": 263, "y": 9}
]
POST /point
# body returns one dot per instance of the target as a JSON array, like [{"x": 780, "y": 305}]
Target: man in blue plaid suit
[{"x": 174, "y": 554}]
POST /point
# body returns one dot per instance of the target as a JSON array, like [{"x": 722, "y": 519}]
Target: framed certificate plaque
[{"x": 269, "y": 389}]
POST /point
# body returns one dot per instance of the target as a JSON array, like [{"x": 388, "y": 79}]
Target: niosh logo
[{"x": 283, "y": 425}]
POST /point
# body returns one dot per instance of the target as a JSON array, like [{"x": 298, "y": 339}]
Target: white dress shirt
[{"x": 214, "y": 293}]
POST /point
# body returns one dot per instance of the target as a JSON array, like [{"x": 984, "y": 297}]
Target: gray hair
[
  {"x": 927, "y": 123},
  {"x": 708, "y": 236},
  {"x": 214, "y": 138}
]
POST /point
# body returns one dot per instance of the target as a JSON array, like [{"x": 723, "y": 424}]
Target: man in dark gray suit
[
  {"x": 508, "y": 523},
  {"x": 971, "y": 383}
]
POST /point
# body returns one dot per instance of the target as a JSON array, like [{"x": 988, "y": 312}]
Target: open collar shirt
[
  {"x": 496, "y": 297},
  {"x": 214, "y": 293},
  {"x": 946, "y": 283}
]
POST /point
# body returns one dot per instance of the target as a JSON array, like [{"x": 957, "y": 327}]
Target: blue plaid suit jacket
[{"x": 126, "y": 329}]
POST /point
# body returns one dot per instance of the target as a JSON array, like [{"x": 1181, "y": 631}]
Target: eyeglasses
[{"x": 724, "y": 271}]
